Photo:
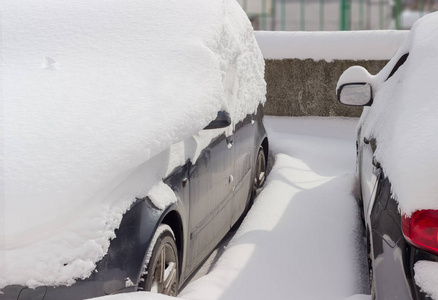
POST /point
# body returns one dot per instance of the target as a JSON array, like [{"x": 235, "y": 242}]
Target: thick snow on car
[
  {"x": 397, "y": 165},
  {"x": 132, "y": 141}
]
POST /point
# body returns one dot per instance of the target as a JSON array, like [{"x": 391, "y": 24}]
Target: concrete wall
[{"x": 308, "y": 88}]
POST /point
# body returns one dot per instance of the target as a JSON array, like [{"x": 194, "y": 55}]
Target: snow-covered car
[
  {"x": 397, "y": 164},
  {"x": 132, "y": 141}
]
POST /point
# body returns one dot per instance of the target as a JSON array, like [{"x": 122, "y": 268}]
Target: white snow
[
  {"x": 403, "y": 119},
  {"x": 94, "y": 93},
  {"x": 355, "y": 74},
  {"x": 161, "y": 195},
  {"x": 302, "y": 238},
  {"x": 426, "y": 277},
  {"x": 353, "y": 45},
  {"x": 128, "y": 282}
]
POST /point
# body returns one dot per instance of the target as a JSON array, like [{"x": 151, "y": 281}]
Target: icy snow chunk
[
  {"x": 128, "y": 282},
  {"x": 426, "y": 277},
  {"x": 161, "y": 195}
]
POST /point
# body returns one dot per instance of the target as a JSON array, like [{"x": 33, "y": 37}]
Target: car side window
[{"x": 400, "y": 62}]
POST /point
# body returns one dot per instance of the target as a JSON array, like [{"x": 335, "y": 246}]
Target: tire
[
  {"x": 162, "y": 267},
  {"x": 370, "y": 270},
  {"x": 260, "y": 170}
]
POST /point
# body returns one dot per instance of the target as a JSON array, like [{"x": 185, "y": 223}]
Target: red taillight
[{"x": 421, "y": 229}]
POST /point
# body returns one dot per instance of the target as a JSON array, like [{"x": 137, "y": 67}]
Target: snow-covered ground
[{"x": 302, "y": 238}]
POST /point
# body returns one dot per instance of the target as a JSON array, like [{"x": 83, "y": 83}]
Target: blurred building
[{"x": 332, "y": 15}]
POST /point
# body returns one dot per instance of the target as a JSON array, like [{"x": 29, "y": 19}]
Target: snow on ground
[
  {"x": 94, "y": 93},
  {"x": 354, "y": 45},
  {"x": 302, "y": 238}
]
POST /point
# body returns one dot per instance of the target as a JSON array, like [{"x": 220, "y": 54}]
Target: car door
[
  {"x": 244, "y": 151},
  {"x": 370, "y": 168},
  {"x": 369, "y": 173},
  {"x": 211, "y": 192}
]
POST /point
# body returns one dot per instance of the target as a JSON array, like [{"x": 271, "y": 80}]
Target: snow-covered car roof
[
  {"x": 404, "y": 119},
  {"x": 93, "y": 95}
]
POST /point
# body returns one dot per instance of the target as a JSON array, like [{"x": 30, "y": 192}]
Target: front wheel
[
  {"x": 260, "y": 170},
  {"x": 162, "y": 268}
]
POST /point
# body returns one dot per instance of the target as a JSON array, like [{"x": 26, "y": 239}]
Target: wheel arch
[
  {"x": 265, "y": 145},
  {"x": 174, "y": 221}
]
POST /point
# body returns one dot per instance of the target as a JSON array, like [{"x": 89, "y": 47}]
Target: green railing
[{"x": 332, "y": 14}]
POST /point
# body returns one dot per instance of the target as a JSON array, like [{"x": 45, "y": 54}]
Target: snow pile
[
  {"x": 403, "y": 119},
  {"x": 426, "y": 277},
  {"x": 354, "y": 45},
  {"x": 307, "y": 204},
  {"x": 94, "y": 93}
]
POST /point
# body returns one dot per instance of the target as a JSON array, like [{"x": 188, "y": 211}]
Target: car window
[{"x": 400, "y": 62}]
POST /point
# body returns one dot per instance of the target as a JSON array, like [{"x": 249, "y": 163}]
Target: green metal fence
[{"x": 335, "y": 14}]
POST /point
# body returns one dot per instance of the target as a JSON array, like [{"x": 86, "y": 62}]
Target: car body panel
[
  {"x": 244, "y": 151},
  {"x": 393, "y": 257},
  {"x": 368, "y": 175},
  {"x": 210, "y": 196}
]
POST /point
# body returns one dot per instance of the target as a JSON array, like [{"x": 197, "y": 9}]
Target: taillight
[{"x": 421, "y": 229}]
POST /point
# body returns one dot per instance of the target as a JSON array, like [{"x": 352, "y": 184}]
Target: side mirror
[
  {"x": 222, "y": 120},
  {"x": 357, "y": 94},
  {"x": 355, "y": 87}
]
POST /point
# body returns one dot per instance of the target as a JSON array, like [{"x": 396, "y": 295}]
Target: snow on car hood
[
  {"x": 403, "y": 118},
  {"x": 94, "y": 93}
]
